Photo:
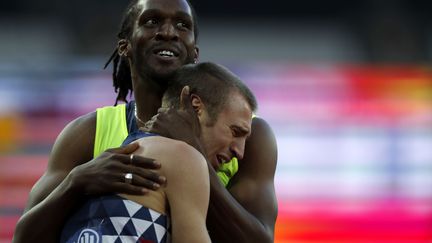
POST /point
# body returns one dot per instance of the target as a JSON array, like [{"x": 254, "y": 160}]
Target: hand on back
[{"x": 106, "y": 173}]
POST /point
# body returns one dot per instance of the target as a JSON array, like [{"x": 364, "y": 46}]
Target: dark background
[{"x": 396, "y": 31}]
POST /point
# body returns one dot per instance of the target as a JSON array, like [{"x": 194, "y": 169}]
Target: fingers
[
  {"x": 143, "y": 170},
  {"x": 144, "y": 162},
  {"x": 149, "y": 126},
  {"x": 163, "y": 109},
  {"x": 142, "y": 181},
  {"x": 147, "y": 179},
  {"x": 128, "y": 149},
  {"x": 124, "y": 155},
  {"x": 146, "y": 176},
  {"x": 106, "y": 173}
]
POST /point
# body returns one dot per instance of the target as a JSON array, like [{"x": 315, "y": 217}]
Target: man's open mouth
[{"x": 166, "y": 53}]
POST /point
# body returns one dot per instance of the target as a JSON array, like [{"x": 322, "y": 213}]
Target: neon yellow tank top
[{"x": 111, "y": 131}]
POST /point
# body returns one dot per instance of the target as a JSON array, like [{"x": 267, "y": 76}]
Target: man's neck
[{"x": 148, "y": 98}]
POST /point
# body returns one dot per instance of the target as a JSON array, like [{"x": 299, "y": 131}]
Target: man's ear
[
  {"x": 123, "y": 48},
  {"x": 197, "y": 104}
]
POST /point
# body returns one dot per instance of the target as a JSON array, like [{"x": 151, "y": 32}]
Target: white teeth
[{"x": 166, "y": 53}]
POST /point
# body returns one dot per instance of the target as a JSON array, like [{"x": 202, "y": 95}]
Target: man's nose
[
  {"x": 237, "y": 148},
  {"x": 167, "y": 31}
]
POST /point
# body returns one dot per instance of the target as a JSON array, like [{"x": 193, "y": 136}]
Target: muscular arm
[
  {"x": 52, "y": 190},
  {"x": 188, "y": 192},
  {"x": 72, "y": 174},
  {"x": 247, "y": 211}
]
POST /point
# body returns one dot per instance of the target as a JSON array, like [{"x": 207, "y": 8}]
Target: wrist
[{"x": 72, "y": 183}]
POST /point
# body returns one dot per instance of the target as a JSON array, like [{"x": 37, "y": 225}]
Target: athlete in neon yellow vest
[
  {"x": 156, "y": 38},
  {"x": 112, "y": 129},
  {"x": 225, "y": 123}
]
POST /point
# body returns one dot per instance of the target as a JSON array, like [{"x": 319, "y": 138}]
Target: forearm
[
  {"x": 44, "y": 221},
  {"x": 229, "y": 221}
]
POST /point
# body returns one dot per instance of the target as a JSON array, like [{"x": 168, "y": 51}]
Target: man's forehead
[
  {"x": 239, "y": 110},
  {"x": 165, "y": 5}
]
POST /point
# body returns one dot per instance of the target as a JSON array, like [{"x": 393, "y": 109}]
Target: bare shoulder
[
  {"x": 167, "y": 148},
  {"x": 174, "y": 154},
  {"x": 74, "y": 145}
]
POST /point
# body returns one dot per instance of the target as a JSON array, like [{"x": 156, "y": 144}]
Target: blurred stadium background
[{"x": 346, "y": 86}]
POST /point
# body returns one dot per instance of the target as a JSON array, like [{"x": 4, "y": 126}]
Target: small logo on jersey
[{"x": 88, "y": 236}]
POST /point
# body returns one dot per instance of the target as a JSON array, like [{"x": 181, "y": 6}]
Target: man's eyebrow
[
  {"x": 146, "y": 13},
  {"x": 183, "y": 15},
  {"x": 158, "y": 13},
  {"x": 150, "y": 11},
  {"x": 243, "y": 130}
]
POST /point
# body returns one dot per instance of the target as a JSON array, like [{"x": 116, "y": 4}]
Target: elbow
[
  {"x": 263, "y": 237},
  {"x": 25, "y": 232},
  {"x": 262, "y": 234},
  {"x": 265, "y": 234},
  {"x": 17, "y": 237},
  {"x": 266, "y": 237},
  {"x": 269, "y": 238}
]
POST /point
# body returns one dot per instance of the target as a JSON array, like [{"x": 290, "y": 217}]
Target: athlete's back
[{"x": 184, "y": 198}]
